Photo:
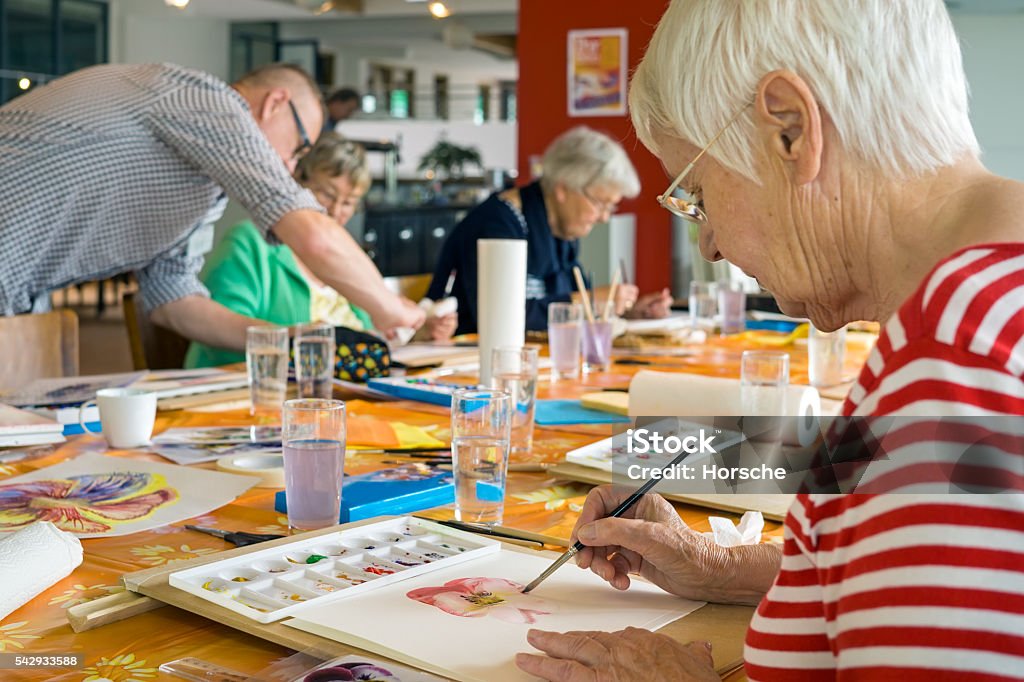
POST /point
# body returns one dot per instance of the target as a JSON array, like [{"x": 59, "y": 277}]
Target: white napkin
[
  {"x": 746, "y": 532},
  {"x": 33, "y": 560}
]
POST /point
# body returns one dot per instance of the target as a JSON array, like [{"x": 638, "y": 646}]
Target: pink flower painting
[
  {"x": 84, "y": 504},
  {"x": 476, "y": 597}
]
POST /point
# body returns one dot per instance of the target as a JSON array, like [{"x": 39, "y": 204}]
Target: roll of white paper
[
  {"x": 32, "y": 560},
  {"x": 501, "y": 297},
  {"x": 663, "y": 394}
]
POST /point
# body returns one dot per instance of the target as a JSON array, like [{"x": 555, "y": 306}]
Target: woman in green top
[{"x": 265, "y": 281}]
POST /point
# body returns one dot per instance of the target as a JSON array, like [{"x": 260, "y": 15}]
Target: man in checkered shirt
[{"x": 116, "y": 168}]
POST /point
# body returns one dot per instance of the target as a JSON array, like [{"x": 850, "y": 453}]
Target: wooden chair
[
  {"x": 153, "y": 346},
  {"x": 413, "y": 287},
  {"x": 38, "y": 346}
]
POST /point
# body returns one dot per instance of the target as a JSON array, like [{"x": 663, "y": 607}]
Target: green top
[{"x": 254, "y": 278}]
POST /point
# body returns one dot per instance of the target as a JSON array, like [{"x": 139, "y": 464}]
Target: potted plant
[{"x": 448, "y": 160}]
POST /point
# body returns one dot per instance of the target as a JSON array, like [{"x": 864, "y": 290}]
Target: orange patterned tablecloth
[{"x": 132, "y": 650}]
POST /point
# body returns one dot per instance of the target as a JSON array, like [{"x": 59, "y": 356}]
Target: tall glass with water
[
  {"x": 481, "y": 431},
  {"x": 825, "y": 354},
  {"x": 313, "y": 434},
  {"x": 514, "y": 370},
  {"x": 732, "y": 307},
  {"x": 266, "y": 358},
  {"x": 314, "y": 360},
  {"x": 703, "y": 304},
  {"x": 764, "y": 380},
  {"x": 565, "y": 336}
]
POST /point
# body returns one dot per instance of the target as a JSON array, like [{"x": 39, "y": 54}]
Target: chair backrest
[
  {"x": 411, "y": 286},
  {"x": 153, "y": 346},
  {"x": 37, "y": 346}
]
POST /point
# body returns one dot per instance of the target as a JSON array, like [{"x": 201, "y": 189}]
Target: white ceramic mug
[{"x": 126, "y": 415}]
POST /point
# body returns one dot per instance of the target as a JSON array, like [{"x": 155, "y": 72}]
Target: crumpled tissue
[{"x": 746, "y": 532}]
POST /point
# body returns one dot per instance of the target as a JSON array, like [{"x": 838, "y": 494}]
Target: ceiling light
[
  {"x": 24, "y": 83},
  {"x": 439, "y": 10},
  {"x": 177, "y": 4}
]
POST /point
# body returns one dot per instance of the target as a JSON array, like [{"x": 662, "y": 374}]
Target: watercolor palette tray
[{"x": 270, "y": 584}]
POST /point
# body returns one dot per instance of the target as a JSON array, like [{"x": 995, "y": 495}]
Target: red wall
[{"x": 542, "y": 108}]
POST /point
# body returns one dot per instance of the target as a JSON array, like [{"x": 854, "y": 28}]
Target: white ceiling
[{"x": 288, "y": 10}]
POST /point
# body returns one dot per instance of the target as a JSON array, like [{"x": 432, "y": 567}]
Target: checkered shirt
[{"x": 113, "y": 168}]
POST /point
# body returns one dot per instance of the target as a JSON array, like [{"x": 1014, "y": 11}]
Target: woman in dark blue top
[{"x": 586, "y": 174}]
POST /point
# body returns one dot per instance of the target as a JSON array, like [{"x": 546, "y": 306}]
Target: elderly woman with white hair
[
  {"x": 586, "y": 175},
  {"x": 826, "y": 149}
]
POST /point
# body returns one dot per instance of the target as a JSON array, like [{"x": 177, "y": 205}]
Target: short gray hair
[
  {"x": 280, "y": 74},
  {"x": 335, "y": 156},
  {"x": 888, "y": 73},
  {"x": 583, "y": 157}
]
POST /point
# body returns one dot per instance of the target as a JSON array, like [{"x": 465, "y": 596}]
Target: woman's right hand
[{"x": 651, "y": 540}]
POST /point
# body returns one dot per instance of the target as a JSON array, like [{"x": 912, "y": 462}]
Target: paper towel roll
[
  {"x": 663, "y": 394},
  {"x": 32, "y": 560},
  {"x": 501, "y": 297}
]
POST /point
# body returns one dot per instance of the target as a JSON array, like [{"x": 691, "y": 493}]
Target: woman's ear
[
  {"x": 787, "y": 115},
  {"x": 561, "y": 193}
]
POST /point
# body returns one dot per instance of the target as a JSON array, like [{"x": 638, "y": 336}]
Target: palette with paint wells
[{"x": 270, "y": 584}]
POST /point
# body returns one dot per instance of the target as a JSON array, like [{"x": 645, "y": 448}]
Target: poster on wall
[{"x": 597, "y": 72}]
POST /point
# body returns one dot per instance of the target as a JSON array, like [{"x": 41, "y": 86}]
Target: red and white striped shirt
[{"x": 911, "y": 586}]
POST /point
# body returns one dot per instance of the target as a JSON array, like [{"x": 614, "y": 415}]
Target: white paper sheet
[
  {"x": 483, "y": 648},
  {"x": 96, "y": 496}
]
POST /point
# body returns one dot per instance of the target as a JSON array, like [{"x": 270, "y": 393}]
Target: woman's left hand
[{"x": 629, "y": 654}]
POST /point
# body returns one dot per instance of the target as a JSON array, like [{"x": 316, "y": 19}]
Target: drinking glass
[
  {"x": 313, "y": 435},
  {"x": 825, "y": 353},
  {"x": 266, "y": 358},
  {"x": 514, "y": 370},
  {"x": 314, "y": 360},
  {"x": 732, "y": 307},
  {"x": 703, "y": 305},
  {"x": 597, "y": 345},
  {"x": 565, "y": 332},
  {"x": 764, "y": 378},
  {"x": 481, "y": 431}
]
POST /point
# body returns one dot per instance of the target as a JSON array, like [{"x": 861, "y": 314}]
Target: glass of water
[
  {"x": 565, "y": 337},
  {"x": 266, "y": 358},
  {"x": 481, "y": 430},
  {"x": 313, "y": 435},
  {"x": 314, "y": 360},
  {"x": 825, "y": 354},
  {"x": 514, "y": 370},
  {"x": 764, "y": 378},
  {"x": 732, "y": 307},
  {"x": 703, "y": 305}
]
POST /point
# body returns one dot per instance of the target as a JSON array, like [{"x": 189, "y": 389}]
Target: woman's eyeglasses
[{"x": 692, "y": 210}]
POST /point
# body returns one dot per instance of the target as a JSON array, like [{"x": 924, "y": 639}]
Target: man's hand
[
  {"x": 624, "y": 656},
  {"x": 201, "y": 319},
  {"x": 329, "y": 251},
  {"x": 403, "y": 313}
]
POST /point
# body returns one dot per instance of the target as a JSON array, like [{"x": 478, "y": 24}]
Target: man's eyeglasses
[
  {"x": 305, "y": 144},
  {"x": 692, "y": 210}
]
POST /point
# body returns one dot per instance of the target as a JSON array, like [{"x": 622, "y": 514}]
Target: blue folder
[
  {"x": 560, "y": 412},
  {"x": 384, "y": 492}
]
